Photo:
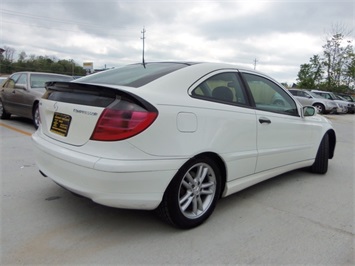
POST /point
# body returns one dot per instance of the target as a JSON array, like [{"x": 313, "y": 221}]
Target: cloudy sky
[{"x": 279, "y": 35}]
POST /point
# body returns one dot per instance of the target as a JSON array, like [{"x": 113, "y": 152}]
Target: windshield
[
  {"x": 332, "y": 95},
  {"x": 135, "y": 75},
  {"x": 348, "y": 97},
  {"x": 340, "y": 98}
]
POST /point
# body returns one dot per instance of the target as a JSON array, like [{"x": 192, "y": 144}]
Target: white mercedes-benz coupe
[{"x": 175, "y": 136}]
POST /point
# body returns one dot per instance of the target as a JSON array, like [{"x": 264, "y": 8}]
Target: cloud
[{"x": 280, "y": 35}]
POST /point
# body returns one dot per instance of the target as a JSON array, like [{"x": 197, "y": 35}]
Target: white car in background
[{"x": 175, "y": 136}]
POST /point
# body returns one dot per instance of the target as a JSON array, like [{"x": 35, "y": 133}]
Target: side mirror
[{"x": 309, "y": 111}]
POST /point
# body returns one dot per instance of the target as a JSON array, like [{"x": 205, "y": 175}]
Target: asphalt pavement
[{"x": 296, "y": 218}]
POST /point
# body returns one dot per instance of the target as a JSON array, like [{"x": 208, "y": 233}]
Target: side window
[
  {"x": 298, "y": 93},
  {"x": 268, "y": 96},
  {"x": 327, "y": 96},
  {"x": 303, "y": 94},
  {"x": 22, "y": 80},
  {"x": 224, "y": 87},
  {"x": 324, "y": 95},
  {"x": 38, "y": 80}
]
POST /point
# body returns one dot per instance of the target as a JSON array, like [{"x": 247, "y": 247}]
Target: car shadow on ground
[
  {"x": 21, "y": 122},
  {"x": 75, "y": 207},
  {"x": 68, "y": 204}
]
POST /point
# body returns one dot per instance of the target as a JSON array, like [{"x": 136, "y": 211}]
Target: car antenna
[{"x": 143, "y": 38}]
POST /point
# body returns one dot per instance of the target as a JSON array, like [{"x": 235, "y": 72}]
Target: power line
[
  {"x": 38, "y": 26},
  {"x": 53, "y": 19},
  {"x": 55, "y": 28},
  {"x": 20, "y": 14}
]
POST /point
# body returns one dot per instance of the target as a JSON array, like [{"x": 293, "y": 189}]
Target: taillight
[{"x": 123, "y": 120}]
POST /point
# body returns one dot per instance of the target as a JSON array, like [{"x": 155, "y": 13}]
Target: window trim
[{"x": 209, "y": 75}]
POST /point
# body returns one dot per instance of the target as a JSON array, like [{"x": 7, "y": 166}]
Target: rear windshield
[
  {"x": 135, "y": 75},
  {"x": 39, "y": 80}
]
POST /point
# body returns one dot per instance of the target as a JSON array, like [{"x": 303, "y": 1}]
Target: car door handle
[{"x": 264, "y": 120}]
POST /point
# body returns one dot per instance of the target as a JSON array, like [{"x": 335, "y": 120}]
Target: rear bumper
[
  {"x": 131, "y": 184},
  {"x": 341, "y": 110}
]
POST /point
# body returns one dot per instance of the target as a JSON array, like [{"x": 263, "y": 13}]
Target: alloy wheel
[{"x": 197, "y": 190}]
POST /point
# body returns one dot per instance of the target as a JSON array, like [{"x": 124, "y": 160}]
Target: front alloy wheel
[
  {"x": 320, "y": 108},
  {"x": 192, "y": 195}
]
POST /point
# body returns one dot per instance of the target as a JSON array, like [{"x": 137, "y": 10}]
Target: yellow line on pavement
[{"x": 16, "y": 129}]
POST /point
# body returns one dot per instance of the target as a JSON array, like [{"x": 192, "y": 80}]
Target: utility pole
[
  {"x": 72, "y": 67},
  {"x": 255, "y": 61},
  {"x": 143, "y": 38}
]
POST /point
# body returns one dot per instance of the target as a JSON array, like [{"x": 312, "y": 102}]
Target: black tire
[
  {"x": 35, "y": 116},
  {"x": 320, "y": 108},
  {"x": 320, "y": 165},
  {"x": 3, "y": 113},
  {"x": 192, "y": 194}
]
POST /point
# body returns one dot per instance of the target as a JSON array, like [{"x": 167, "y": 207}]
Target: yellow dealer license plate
[{"x": 60, "y": 124}]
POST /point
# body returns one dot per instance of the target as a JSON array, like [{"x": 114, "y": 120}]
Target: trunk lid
[
  {"x": 69, "y": 111},
  {"x": 74, "y": 113}
]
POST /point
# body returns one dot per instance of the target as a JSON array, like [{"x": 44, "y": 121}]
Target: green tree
[
  {"x": 335, "y": 58},
  {"x": 22, "y": 56},
  {"x": 349, "y": 71},
  {"x": 334, "y": 70},
  {"x": 37, "y": 63},
  {"x": 310, "y": 75},
  {"x": 6, "y": 66}
]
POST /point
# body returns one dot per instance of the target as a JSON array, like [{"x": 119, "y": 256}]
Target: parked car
[
  {"x": 349, "y": 100},
  {"x": 175, "y": 136},
  {"x": 306, "y": 97},
  {"x": 330, "y": 96},
  {"x": 347, "y": 97},
  {"x": 20, "y": 94}
]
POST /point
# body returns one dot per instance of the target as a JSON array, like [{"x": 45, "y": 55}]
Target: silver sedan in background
[
  {"x": 306, "y": 97},
  {"x": 20, "y": 94}
]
